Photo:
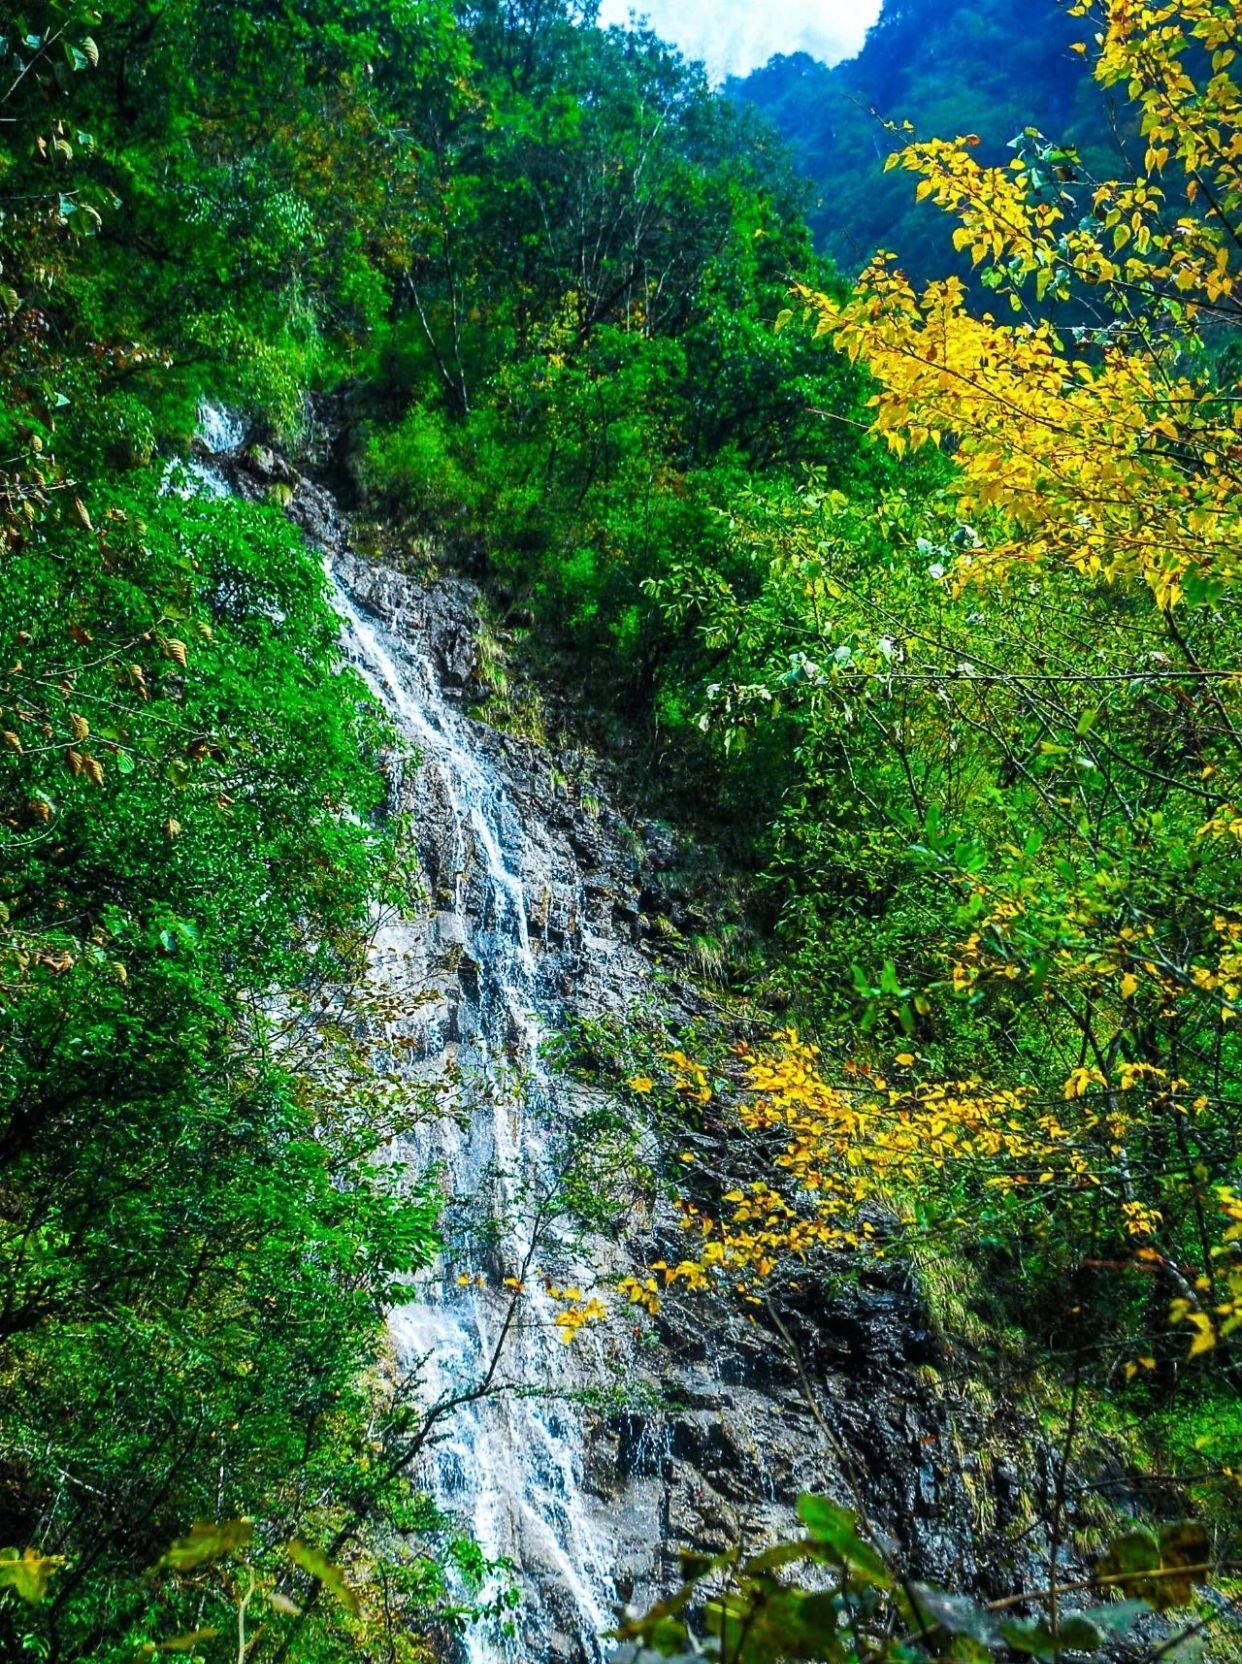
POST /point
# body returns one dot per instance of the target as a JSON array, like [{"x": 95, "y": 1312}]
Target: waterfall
[
  {"x": 508, "y": 1467},
  {"x": 538, "y": 908}
]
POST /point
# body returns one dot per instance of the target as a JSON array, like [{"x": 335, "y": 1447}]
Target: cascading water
[{"x": 507, "y": 1464}]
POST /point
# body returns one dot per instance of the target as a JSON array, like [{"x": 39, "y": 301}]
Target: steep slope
[{"x": 588, "y": 1471}]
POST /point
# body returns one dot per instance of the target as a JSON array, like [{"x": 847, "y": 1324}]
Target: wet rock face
[
  {"x": 731, "y": 1439},
  {"x": 537, "y": 909},
  {"x": 740, "y": 1442}
]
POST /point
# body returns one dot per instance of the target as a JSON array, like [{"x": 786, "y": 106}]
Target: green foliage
[
  {"x": 198, "y": 1242},
  {"x": 582, "y": 374},
  {"x": 190, "y": 854},
  {"x": 218, "y": 1566},
  {"x": 742, "y": 1608}
]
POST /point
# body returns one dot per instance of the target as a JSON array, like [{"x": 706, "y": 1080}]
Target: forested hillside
[
  {"x": 908, "y": 638},
  {"x": 987, "y": 67}
]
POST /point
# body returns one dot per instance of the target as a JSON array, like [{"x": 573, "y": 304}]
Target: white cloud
[{"x": 733, "y": 36}]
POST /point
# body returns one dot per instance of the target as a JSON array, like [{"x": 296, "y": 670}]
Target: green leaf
[
  {"x": 782, "y": 1554},
  {"x": 205, "y": 1541},
  {"x": 955, "y": 1614},
  {"x": 836, "y": 1529},
  {"x": 760, "y": 1625},
  {"x": 668, "y": 1636},
  {"x": 317, "y": 1564},
  {"x": 1117, "y": 1616},
  {"x": 1075, "y": 1633}
]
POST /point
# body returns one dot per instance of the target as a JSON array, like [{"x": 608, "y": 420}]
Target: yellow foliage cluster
[
  {"x": 578, "y": 1310},
  {"x": 642, "y": 1292},
  {"x": 1085, "y": 458},
  {"x": 1215, "y": 1310},
  {"x": 1076, "y": 942},
  {"x": 1098, "y": 450},
  {"x": 834, "y": 1147},
  {"x": 1227, "y": 1286}
]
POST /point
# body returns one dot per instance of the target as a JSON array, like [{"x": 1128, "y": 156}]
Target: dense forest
[{"x": 908, "y": 603}]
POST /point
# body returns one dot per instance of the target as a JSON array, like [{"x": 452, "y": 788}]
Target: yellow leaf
[
  {"x": 29, "y": 1573},
  {"x": 1205, "y": 1333},
  {"x": 179, "y": 1643},
  {"x": 1129, "y": 985},
  {"x": 206, "y": 1540}
]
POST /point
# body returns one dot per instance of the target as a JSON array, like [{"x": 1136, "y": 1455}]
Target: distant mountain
[{"x": 990, "y": 67}]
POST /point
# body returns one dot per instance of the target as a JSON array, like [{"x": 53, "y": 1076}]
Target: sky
[{"x": 734, "y": 36}]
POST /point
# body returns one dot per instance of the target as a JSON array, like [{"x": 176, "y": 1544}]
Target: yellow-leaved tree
[
  {"x": 1070, "y": 703},
  {"x": 1104, "y": 444}
]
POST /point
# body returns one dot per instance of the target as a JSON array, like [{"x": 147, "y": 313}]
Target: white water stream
[
  {"x": 508, "y": 1466},
  {"x": 510, "y": 1463}
]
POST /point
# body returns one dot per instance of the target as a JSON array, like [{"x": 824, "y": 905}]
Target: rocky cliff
[{"x": 590, "y": 1467}]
